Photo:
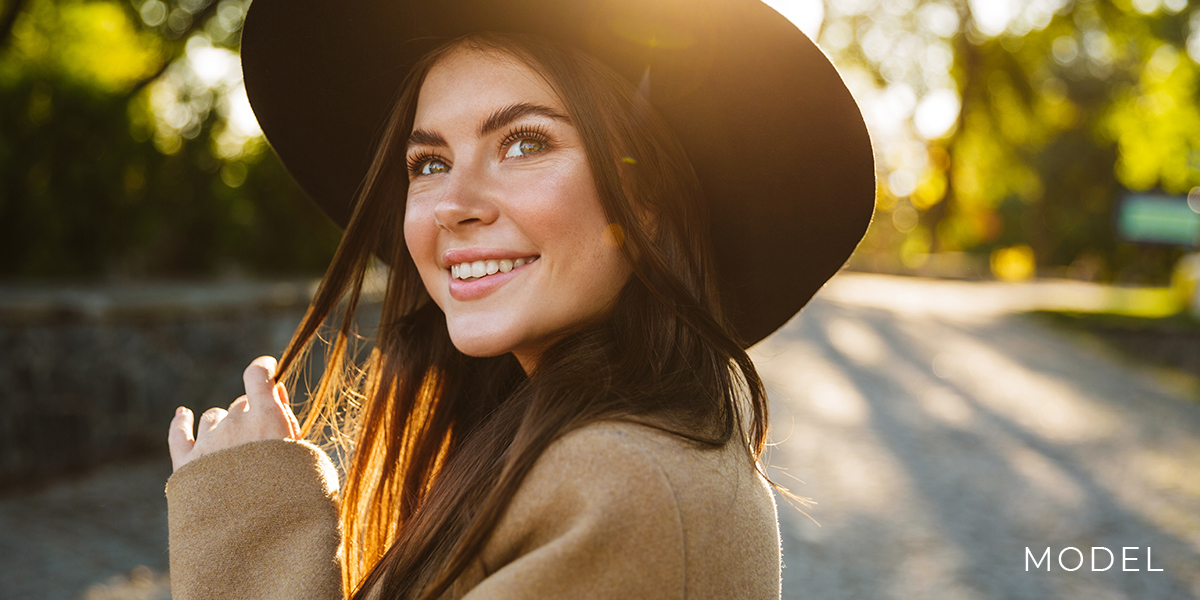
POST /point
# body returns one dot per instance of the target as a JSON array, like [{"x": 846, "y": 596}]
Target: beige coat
[{"x": 613, "y": 510}]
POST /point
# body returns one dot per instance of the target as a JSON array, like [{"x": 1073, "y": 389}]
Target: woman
[{"x": 558, "y": 402}]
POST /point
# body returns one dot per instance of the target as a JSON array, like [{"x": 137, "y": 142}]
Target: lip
[
  {"x": 473, "y": 290},
  {"x": 462, "y": 255}
]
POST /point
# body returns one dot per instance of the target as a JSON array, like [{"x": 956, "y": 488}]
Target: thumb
[{"x": 259, "y": 378}]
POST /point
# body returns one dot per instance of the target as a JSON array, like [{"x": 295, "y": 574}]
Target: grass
[
  {"x": 1170, "y": 343},
  {"x": 1120, "y": 320}
]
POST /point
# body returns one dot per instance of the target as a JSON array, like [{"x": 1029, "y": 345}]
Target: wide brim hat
[{"x": 775, "y": 137}]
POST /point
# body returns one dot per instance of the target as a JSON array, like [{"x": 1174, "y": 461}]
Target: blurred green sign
[{"x": 1158, "y": 219}]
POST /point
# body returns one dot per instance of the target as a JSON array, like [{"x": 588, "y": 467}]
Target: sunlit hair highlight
[{"x": 435, "y": 442}]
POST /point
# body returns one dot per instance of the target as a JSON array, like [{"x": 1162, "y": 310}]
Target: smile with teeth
[{"x": 470, "y": 271}]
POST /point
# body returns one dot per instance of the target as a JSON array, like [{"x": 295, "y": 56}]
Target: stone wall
[{"x": 92, "y": 375}]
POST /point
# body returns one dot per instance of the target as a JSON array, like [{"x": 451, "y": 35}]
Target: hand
[{"x": 262, "y": 414}]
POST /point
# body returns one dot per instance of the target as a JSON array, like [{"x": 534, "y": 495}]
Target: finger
[
  {"x": 241, "y": 405},
  {"x": 179, "y": 437},
  {"x": 209, "y": 420},
  {"x": 282, "y": 396},
  {"x": 259, "y": 378}
]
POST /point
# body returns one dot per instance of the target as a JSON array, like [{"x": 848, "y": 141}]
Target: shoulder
[
  {"x": 607, "y": 471},
  {"x": 596, "y": 512},
  {"x": 620, "y": 510},
  {"x": 706, "y": 510},
  {"x": 638, "y": 466},
  {"x": 610, "y": 453},
  {"x": 637, "y": 473}
]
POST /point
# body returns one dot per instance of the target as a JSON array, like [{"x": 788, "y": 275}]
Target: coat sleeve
[
  {"x": 255, "y": 522},
  {"x": 596, "y": 518}
]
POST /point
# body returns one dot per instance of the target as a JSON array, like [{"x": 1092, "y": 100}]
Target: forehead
[{"x": 475, "y": 82}]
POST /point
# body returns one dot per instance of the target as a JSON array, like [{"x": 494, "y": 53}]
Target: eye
[
  {"x": 426, "y": 164},
  {"x": 433, "y": 167},
  {"x": 525, "y": 147}
]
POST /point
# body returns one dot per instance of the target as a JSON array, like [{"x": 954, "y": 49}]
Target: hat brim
[{"x": 775, "y": 137}]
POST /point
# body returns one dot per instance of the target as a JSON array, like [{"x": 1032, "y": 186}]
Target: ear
[{"x": 646, "y": 215}]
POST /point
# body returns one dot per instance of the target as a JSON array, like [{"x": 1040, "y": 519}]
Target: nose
[{"x": 466, "y": 201}]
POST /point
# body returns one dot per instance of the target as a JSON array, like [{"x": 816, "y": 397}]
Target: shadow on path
[{"x": 971, "y": 492}]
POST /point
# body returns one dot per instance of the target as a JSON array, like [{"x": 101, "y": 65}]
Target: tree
[
  {"x": 1061, "y": 107},
  {"x": 127, "y": 148}
]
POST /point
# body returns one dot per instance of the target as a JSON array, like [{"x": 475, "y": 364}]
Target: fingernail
[{"x": 179, "y": 411}]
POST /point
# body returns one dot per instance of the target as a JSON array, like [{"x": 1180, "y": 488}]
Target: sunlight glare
[
  {"x": 805, "y": 14},
  {"x": 937, "y": 113},
  {"x": 992, "y": 16},
  {"x": 214, "y": 66}
]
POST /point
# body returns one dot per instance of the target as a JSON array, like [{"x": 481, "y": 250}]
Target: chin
[{"x": 482, "y": 342}]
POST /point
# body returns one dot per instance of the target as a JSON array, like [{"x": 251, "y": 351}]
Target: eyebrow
[
  {"x": 498, "y": 119},
  {"x": 422, "y": 137},
  {"x": 511, "y": 113}
]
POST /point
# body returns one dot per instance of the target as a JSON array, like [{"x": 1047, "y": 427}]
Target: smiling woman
[
  {"x": 559, "y": 403},
  {"x": 497, "y": 173}
]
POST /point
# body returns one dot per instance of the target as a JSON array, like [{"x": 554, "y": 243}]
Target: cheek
[
  {"x": 577, "y": 224},
  {"x": 570, "y": 212},
  {"x": 412, "y": 231},
  {"x": 420, "y": 236}
]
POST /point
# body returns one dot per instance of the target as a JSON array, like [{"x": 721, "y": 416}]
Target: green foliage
[
  {"x": 117, "y": 161},
  {"x": 1063, "y": 111},
  {"x": 1156, "y": 124},
  {"x": 126, "y": 151},
  {"x": 91, "y": 45}
]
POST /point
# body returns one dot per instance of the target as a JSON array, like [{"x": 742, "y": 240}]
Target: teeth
[{"x": 482, "y": 268}]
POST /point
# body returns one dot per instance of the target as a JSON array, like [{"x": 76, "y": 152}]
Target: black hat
[{"x": 777, "y": 141}]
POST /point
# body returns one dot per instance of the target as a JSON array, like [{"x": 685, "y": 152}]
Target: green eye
[
  {"x": 434, "y": 167},
  {"x": 525, "y": 147}
]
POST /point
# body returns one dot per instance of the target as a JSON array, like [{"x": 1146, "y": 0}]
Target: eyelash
[
  {"x": 417, "y": 161},
  {"x": 536, "y": 132}
]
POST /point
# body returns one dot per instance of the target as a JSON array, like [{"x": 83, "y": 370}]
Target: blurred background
[{"x": 1010, "y": 359}]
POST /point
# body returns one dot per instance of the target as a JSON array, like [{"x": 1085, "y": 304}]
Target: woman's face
[{"x": 503, "y": 219}]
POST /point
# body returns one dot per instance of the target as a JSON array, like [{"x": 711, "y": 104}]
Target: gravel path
[
  {"x": 939, "y": 434},
  {"x": 101, "y": 537}
]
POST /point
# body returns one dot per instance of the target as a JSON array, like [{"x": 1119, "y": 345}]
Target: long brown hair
[{"x": 438, "y": 442}]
